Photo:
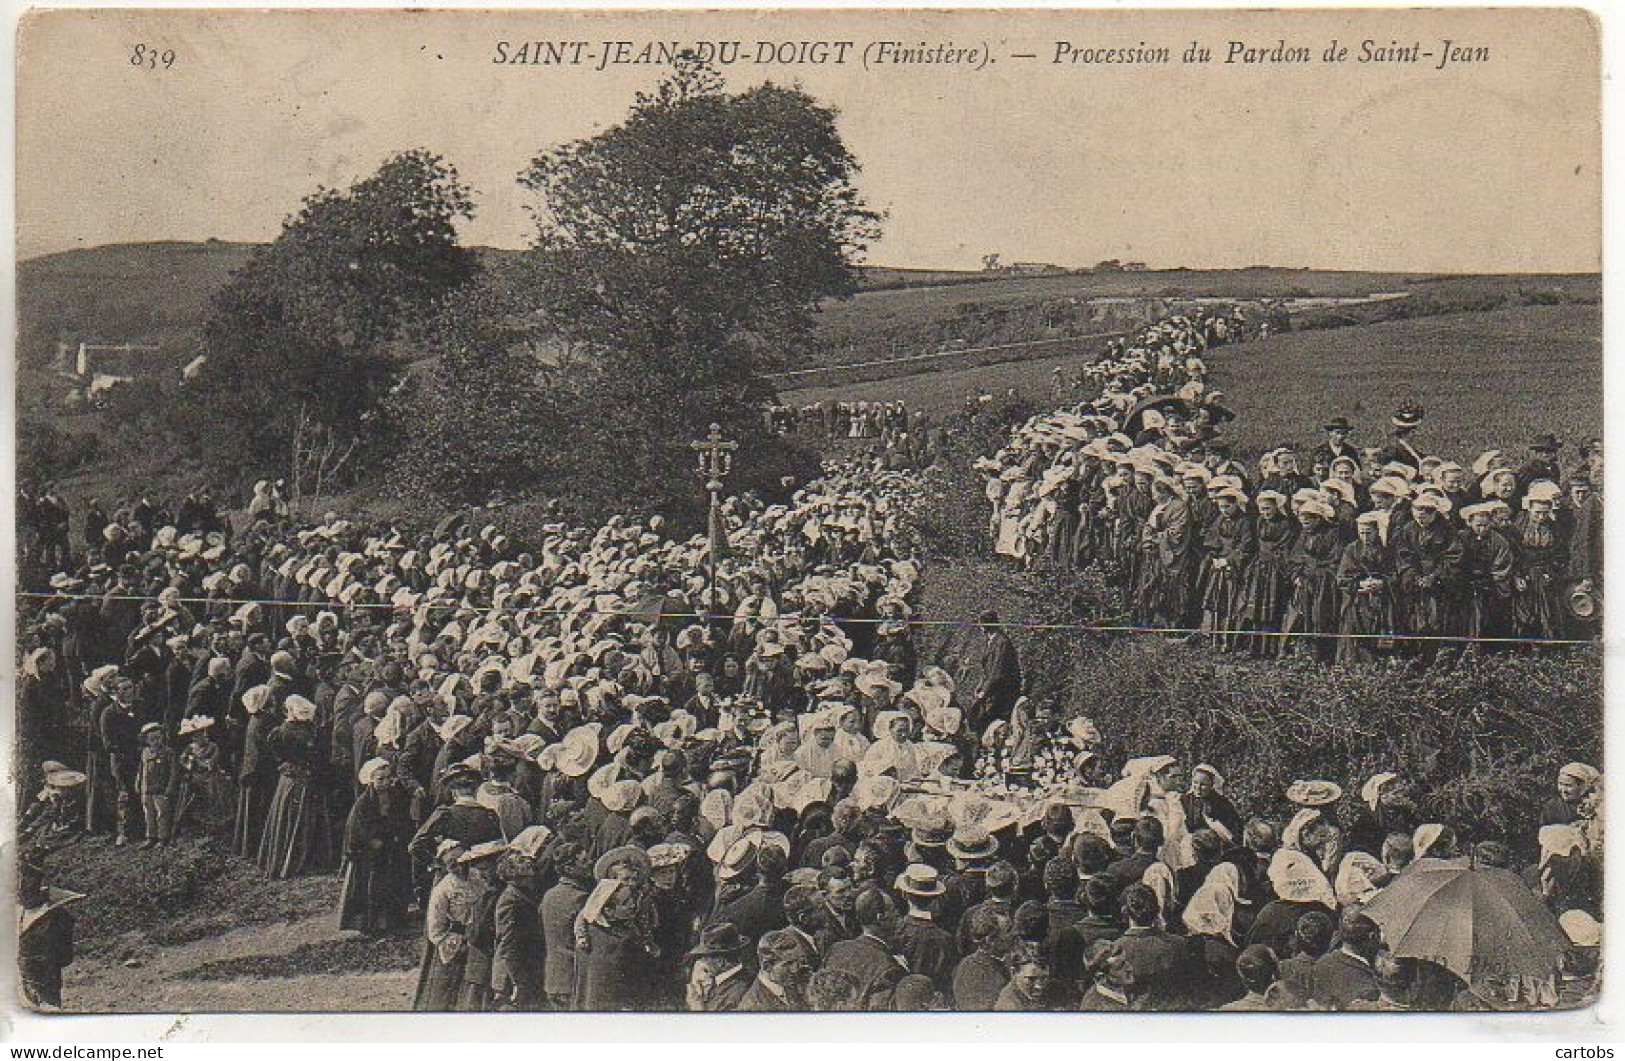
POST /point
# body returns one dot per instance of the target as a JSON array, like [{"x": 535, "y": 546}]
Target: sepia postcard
[{"x": 805, "y": 511}]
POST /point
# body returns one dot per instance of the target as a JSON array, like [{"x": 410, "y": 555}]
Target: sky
[{"x": 1486, "y": 166}]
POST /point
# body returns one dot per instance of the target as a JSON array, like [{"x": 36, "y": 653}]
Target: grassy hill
[
  {"x": 1477, "y": 341},
  {"x": 157, "y": 293},
  {"x": 1487, "y": 378}
]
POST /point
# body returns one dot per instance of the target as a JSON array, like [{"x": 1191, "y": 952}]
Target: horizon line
[{"x": 960, "y": 270}]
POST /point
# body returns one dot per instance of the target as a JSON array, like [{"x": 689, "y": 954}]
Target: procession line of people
[{"x": 1347, "y": 553}]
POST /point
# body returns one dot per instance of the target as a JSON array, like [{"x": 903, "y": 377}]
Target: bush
[
  {"x": 46, "y": 453},
  {"x": 1482, "y": 734}
]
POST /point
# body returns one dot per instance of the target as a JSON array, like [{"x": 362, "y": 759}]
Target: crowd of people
[
  {"x": 885, "y": 431},
  {"x": 1348, "y": 552},
  {"x": 596, "y": 779}
]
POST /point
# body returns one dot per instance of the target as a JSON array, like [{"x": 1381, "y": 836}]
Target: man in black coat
[
  {"x": 1160, "y": 965},
  {"x": 120, "y": 732},
  {"x": 761, "y": 909},
  {"x": 926, "y": 946},
  {"x": 998, "y": 676},
  {"x": 1148, "y": 837},
  {"x": 847, "y": 821},
  {"x": 464, "y": 820},
  {"x": 1346, "y": 976},
  {"x": 719, "y": 978},
  {"x": 1400, "y": 447},
  {"x": 1337, "y": 443},
  {"x": 784, "y": 965},
  {"x": 1540, "y": 464},
  {"x": 520, "y": 950},
  {"x": 870, "y": 958},
  {"x": 211, "y": 694}
]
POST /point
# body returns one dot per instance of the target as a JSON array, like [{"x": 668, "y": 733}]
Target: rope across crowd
[{"x": 593, "y": 783}]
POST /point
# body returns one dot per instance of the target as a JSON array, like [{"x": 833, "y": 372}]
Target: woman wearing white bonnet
[{"x": 1575, "y": 781}]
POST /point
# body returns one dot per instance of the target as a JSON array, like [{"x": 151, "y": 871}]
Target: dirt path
[{"x": 167, "y": 979}]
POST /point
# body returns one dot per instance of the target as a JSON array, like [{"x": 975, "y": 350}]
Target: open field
[
  {"x": 156, "y": 293},
  {"x": 1489, "y": 378},
  {"x": 1486, "y": 379},
  {"x": 878, "y": 324}
]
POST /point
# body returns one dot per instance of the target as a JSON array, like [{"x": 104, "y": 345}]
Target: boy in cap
[{"x": 157, "y": 782}]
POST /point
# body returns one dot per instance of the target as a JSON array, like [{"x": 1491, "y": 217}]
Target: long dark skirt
[
  {"x": 613, "y": 975},
  {"x": 474, "y": 998},
  {"x": 439, "y": 983},
  {"x": 253, "y": 802},
  {"x": 100, "y": 792},
  {"x": 1366, "y": 615},
  {"x": 298, "y": 835},
  {"x": 1313, "y": 610},
  {"x": 377, "y": 889}
]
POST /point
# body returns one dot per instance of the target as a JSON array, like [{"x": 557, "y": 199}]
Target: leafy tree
[
  {"x": 298, "y": 339},
  {"x": 482, "y": 417},
  {"x": 689, "y": 248}
]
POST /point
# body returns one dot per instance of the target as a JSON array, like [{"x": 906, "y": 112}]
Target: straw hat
[
  {"x": 971, "y": 843},
  {"x": 622, "y": 796},
  {"x": 577, "y": 751},
  {"x": 1314, "y": 793},
  {"x": 920, "y": 880}
]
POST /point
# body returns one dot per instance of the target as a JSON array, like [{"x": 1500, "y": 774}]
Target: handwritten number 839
[{"x": 152, "y": 58}]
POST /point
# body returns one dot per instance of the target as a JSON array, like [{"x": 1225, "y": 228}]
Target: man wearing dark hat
[
  {"x": 1540, "y": 464},
  {"x": 464, "y": 819},
  {"x": 1400, "y": 448},
  {"x": 1337, "y": 443},
  {"x": 718, "y": 979}
]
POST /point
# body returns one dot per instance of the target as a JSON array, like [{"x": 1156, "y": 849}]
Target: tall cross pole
[{"x": 716, "y": 461}]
